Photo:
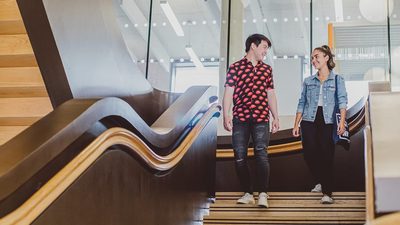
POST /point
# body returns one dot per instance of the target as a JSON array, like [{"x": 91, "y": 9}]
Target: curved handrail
[
  {"x": 25, "y": 155},
  {"x": 35, "y": 205}
]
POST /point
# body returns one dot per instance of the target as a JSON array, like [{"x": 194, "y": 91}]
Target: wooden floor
[{"x": 289, "y": 208}]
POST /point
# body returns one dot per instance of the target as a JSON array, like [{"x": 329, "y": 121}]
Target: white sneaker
[
  {"x": 326, "y": 200},
  {"x": 317, "y": 188},
  {"x": 263, "y": 200},
  {"x": 247, "y": 198}
]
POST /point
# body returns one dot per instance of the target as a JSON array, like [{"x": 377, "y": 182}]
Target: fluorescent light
[
  {"x": 339, "y": 10},
  {"x": 194, "y": 57},
  {"x": 172, "y": 18}
]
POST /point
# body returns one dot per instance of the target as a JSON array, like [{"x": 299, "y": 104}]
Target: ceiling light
[
  {"x": 126, "y": 25},
  {"x": 296, "y": 19},
  {"x": 181, "y": 60},
  {"x": 285, "y": 19},
  {"x": 171, "y": 60},
  {"x": 275, "y": 20},
  {"x": 172, "y": 18},
  {"x": 264, "y": 20},
  {"x": 164, "y": 24},
  {"x": 193, "y": 56},
  {"x": 212, "y": 59},
  {"x": 204, "y": 22}
]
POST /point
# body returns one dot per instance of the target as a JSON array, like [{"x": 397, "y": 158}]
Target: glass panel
[
  {"x": 395, "y": 45},
  {"x": 357, "y": 32},
  {"x": 285, "y": 23},
  {"x": 133, "y": 17},
  {"x": 184, "y": 34}
]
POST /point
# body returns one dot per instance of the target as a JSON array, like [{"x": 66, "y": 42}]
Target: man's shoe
[
  {"x": 317, "y": 188},
  {"x": 263, "y": 200},
  {"x": 247, "y": 198},
  {"x": 326, "y": 200}
]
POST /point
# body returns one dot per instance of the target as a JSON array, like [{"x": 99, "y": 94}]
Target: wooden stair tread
[
  {"x": 23, "y": 91},
  {"x": 24, "y": 60},
  {"x": 8, "y": 132},
  {"x": 15, "y": 44},
  {"x": 239, "y": 194},
  {"x": 10, "y": 76},
  {"x": 267, "y": 222},
  {"x": 18, "y": 121},
  {"x": 292, "y": 204},
  {"x": 12, "y": 27},
  {"x": 9, "y": 10},
  {"x": 289, "y": 208},
  {"x": 25, "y": 107}
]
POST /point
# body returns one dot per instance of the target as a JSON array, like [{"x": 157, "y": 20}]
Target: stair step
[
  {"x": 15, "y": 44},
  {"x": 16, "y": 51},
  {"x": 24, "y": 107},
  {"x": 12, "y": 27},
  {"x": 27, "y": 60},
  {"x": 8, "y": 132},
  {"x": 18, "y": 121},
  {"x": 9, "y": 10},
  {"x": 20, "y": 76},
  {"x": 23, "y": 92},
  {"x": 289, "y": 208}
]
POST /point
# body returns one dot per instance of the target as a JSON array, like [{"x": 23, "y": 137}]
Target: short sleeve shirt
[{"x": 251, "y": 83}]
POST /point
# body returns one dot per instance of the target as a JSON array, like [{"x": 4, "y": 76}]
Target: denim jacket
[{"x": 308, "y": 102}]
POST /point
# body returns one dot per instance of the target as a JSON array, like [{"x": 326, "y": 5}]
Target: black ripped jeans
[{"x": 240, "y": 139}]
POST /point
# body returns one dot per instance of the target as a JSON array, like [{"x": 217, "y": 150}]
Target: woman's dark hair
[
  {"x": 327, "y": 52},
  {"x": 256, "y": 39}
]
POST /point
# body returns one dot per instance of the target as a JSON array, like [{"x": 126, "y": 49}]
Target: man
[{"x": 250, "y": 87}]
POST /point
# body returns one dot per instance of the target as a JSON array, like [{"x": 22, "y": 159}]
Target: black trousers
[{"x": 319, "y": 150}]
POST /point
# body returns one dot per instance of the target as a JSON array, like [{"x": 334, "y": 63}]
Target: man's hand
[
  {"x": 275, "y": 125},
  {"x": 228, "y": 123}
]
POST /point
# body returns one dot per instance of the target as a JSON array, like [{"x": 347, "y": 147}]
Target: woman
[{"x": 315, "y": 111}]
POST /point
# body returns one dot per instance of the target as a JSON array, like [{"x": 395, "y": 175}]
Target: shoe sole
[
  {"x": 251, "y": 202},
  {"x": 326, "y": 203}
]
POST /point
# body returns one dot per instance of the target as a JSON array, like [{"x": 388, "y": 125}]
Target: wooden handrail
[
  {"x": 369, "y": 175},
  {"x": 38, "y": 202}
]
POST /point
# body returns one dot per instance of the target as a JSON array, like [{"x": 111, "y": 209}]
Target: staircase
[
  {"x": 289, "y": 208},
  {"x": 23, "y": 96}
]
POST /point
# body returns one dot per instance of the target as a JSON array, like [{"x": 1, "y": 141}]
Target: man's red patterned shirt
[{"x": 251, "y": 83}]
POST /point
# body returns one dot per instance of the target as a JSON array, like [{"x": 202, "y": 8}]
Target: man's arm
[
  {"x": 273, "y": 106},
  {"x": 226, "y": 106}
]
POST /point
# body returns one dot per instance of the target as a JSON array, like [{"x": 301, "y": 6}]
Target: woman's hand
[
  {"x": 341, "y": 129},
  {"x": 296, "y": 131}
]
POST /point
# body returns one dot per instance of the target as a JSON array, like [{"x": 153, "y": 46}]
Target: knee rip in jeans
[{"x": 239, "y": 160}]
